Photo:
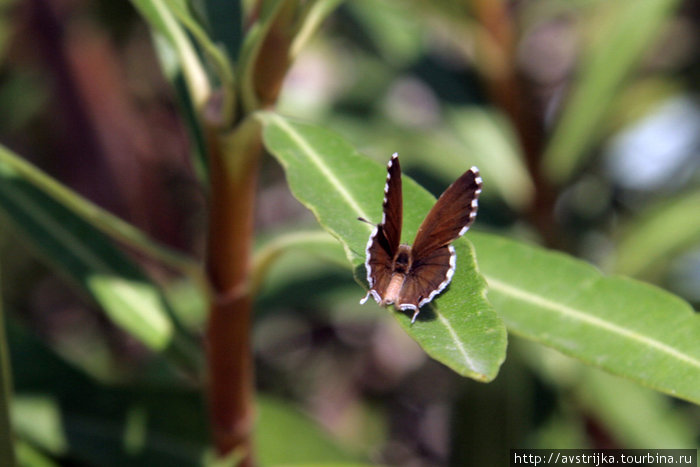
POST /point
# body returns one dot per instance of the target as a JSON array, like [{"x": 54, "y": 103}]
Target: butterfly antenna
[{"x": 364, "y": 220}]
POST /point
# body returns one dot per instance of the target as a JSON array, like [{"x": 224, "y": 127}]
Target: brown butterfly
[{"x": 411, "y": 276}]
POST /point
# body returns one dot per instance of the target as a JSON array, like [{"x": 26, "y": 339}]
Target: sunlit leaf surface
[
  {"x": 459, "y": 328},
  {"x": 621, "y": 325}
]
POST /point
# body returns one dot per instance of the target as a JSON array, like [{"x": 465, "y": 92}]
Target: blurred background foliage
[{"x": 613, "y": 84}]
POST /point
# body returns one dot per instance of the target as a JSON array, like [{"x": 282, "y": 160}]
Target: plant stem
[
  {"x": 234, "y": 160},
  {"x": 512, "y": 94}
]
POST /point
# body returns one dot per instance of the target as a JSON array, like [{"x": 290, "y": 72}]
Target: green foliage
[
  {"x": 627, "y": 30},
  {"x": 162, "y": 19},
  {"x": 379, "y": 77},
  {"x": 98, "y": 266},
  {"x": 140, "y": 425},
  {"x": 650, "y": 233},
  {"x": 626, "y": 327},
  {"x": 278, "y": 424}
]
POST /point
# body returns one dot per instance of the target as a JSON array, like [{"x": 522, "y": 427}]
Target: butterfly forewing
[
  {"x": 451, "y": 216},
  {"x": 384, "y": 241},
  {"x": 392, "y": 207}
]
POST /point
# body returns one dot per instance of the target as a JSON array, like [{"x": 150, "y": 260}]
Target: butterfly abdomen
[{"x": 393, "y": 290}]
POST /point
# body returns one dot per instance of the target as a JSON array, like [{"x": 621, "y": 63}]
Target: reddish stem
[
  {"x": 510, "y": 91},
  {"x": 234, "y": 166}
]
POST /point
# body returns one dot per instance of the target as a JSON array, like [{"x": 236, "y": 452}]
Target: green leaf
[
  {"x": 630, "y": 28},
  {"x": 279, "y": 423},
  {"x": 38, "y": 419},
  {"x": 648, "y": 243},
  {"x": 392, "y": 28},
  {"x": 460, "y": 327},
  {"x": 636, "y": 416},
  {"x": 160, "y": 16},
  {"x": 113, "y": 427},
  {"x": 486, "y": 139},
  {"x": 315, "y": 243},
  {"x": 85, "y": 255},
  {"x": 633, "y": 415},
  {"x": 626, "y": 327},
  {"x": 30, "y": 456},
  {"x": 217, "y": 56},
  {"x": 311, "y": 16},
  {"x": 62, "y": 411},
  {"x": 100, "y": 219},
  {"x": 226, "y": 24}
]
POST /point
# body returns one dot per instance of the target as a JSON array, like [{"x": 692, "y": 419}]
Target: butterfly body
[
  {"x": 409, "y": 276},
  {"x": 400, "y": 267},
  {"x": 393, "y": 290}
]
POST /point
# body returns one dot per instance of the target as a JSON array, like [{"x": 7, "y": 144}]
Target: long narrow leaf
[
  {"x": 161, "y": 18},
  {"x": 626, "y": 327},
  {"x": 218, "y": 57},
  {"x": 325, "y": 173},
  {"x": 618, "y": 47},
  {"x": 99, "y": 218},
  {"x": 279, "y": 422},
  {"x": 648, "y": 243},
  {"x": 318, "y": 243},
  {"x": 87, "y": 257},
  {"x": 312, "y": 16}
]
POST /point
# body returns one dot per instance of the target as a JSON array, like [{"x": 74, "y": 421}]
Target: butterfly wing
[
  {"x": 433, "y": 258},
  {"x": 384, "y": 241},
  {"x": 429, "y": 275},
  {"x": 451, "y": 216}
]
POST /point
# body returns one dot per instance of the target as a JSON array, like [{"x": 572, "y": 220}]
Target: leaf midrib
[
  {"x": 579, "y": 315},
  {"x": 318, "y": 161},
  {"x": 445, "y": 322}
]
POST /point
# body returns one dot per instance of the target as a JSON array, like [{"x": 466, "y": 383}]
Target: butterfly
[{"x": 409, "y": 276}]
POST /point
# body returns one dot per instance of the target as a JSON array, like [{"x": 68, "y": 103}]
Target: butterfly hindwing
[
  {"x": 378, "y": 264},
  {"x": 428, "y": 277}
]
